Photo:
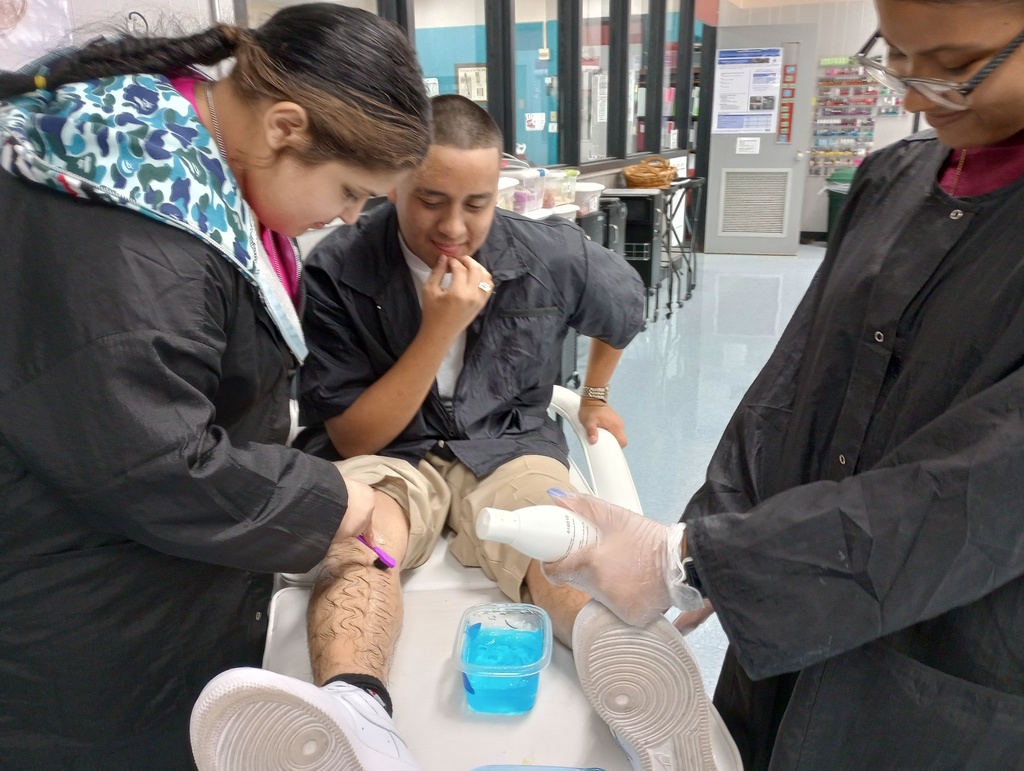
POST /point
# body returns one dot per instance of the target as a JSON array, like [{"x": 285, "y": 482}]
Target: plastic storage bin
[
  {"x": 559, "y": 187},
  {"x": 500, "y": 649},
  {"x": 587, "y": 196},
  {"x": 506, "y": 188},
  {"x": 530, "y": 191},
  {"x": 567, "y": 211}
]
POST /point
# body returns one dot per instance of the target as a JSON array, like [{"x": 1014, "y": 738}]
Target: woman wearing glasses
[{"x": 861, "y": 529}]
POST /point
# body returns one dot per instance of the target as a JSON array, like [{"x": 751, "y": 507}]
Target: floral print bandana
[{"x": 134, "y": 141}]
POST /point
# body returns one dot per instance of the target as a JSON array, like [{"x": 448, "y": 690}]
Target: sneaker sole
[
  {"x": 247, "y": 722},
  {"x": 645, "y": 685}
]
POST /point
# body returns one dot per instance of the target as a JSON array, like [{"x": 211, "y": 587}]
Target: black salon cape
[
  {"x": 861, "y": 530},
  {"x": 143, "y": 506}
]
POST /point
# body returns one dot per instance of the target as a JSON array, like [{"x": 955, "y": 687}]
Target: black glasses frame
[{"x": 964, "y": 89}]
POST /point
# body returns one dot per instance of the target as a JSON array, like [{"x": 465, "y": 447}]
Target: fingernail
[{"x": 554, "y": 492}]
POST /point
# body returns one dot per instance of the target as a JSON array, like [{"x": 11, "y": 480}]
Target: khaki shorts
[{"x": 445, "y": 492}]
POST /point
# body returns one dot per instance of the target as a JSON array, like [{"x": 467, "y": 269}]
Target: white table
[{"x": 430, "y": 706}]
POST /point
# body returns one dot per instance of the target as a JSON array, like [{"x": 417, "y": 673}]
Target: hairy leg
[{"x": 355, "y": 609}]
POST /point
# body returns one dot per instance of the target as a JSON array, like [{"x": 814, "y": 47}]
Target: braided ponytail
[
  {"x": 126, "y": 56},
  {"x": 355, "y": 74}
]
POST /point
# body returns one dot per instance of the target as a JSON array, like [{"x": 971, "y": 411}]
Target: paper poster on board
[
  {"x": 535, "y": 121},
  {"x": 748, "y": 145},
  {"x": 747, "y": 86}
]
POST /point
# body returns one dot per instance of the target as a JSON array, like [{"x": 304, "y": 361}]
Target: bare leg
[
  {"x": 355, "y": 610},
  {"x": 563, "y": 603}
]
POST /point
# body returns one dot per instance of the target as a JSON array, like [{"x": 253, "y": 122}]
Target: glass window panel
[
  {"x": 595, "y": 61},
  {"x": 536, "y": 81},
  {"x": 669, "y": 120},
  {"x": 636, "y": 68},
  {"x": 261, "y": 10},
  {"x": 451, "y": 42}
]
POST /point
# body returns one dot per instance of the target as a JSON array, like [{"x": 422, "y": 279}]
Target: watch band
[
  {"x": 591, "y": 392},
  {"x": 692, "y": 577}
]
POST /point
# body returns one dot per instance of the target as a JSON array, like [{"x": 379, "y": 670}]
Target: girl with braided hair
[{"x": 149, "y": 332}]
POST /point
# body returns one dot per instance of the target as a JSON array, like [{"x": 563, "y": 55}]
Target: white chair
[{"x": 430, "y": 708}]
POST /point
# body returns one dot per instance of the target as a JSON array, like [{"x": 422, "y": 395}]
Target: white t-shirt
[{"x": 452, "y": 364}]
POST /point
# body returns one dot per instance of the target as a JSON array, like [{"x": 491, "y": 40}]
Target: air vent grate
[{"x": 754, "y": 202}]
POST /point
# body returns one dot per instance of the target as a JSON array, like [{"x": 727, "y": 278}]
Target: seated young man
[{"x": 435, "y": 327}]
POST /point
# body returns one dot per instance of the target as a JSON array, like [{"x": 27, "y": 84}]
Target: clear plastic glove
[
  {"x": 634, "y": 569},
  {"x": 690, "y": 620}
]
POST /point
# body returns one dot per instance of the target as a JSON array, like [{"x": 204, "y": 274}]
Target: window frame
[{"x": 500, "y": 36}]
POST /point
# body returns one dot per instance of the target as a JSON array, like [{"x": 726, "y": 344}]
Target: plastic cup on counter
[
  {"x": 506, "y": 192},
  {"x": 530, "y": 191},
  {"x": 588, "y": 194}
]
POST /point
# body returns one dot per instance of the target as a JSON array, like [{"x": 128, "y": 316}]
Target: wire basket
[{"x": 650, "y": 172}]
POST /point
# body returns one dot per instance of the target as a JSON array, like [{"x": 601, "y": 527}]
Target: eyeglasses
[{"x": 954, "y": 96}]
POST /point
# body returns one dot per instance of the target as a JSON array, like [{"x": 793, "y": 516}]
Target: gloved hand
[{"x": 634, "y": 569}]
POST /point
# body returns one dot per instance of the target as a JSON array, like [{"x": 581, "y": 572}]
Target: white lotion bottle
[{"x": 546, "y": 533}]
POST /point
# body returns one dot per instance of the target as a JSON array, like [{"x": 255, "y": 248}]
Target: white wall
[
  {"x": 842, "y": 29},
  {"x": 448, "y": 13},
  {"x": 90, "y": 17},
  {"x": 261, "y": 10},
  {"x": 531, "y": 11},
  {"x": 50, "y": 24},
  {"x": 842, "y": 26}
]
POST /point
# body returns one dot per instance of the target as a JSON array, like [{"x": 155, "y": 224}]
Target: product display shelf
[
  {"x": 847, "y": 105},
  {"x": 844, "y": 118}
]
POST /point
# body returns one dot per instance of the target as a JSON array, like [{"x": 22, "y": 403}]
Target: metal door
[{"x": 760, "y": 138}]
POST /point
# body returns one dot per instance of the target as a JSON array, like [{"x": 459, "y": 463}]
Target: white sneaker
[
  {"x": 257, "y": 720},
  {"x": 645, "y": 685}
]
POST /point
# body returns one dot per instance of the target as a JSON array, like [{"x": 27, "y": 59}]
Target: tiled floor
[{"x": 680, "y": 380}]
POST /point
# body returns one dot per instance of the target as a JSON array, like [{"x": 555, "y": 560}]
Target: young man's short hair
[{"x": 458, "y": 122}]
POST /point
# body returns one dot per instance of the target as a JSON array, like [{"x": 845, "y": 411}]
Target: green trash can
[{"x": 837, "y": 185}]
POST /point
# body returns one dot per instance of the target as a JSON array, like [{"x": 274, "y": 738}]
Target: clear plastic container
[
  {"x": 530, "y": 191},
  {"x": 506, "y": 188},
  {"x": 587, "y": 196},
  {"x": 500, "y": 649},
  {"x": 559, "y": 187},
  {"x": 568, "y": 211}
]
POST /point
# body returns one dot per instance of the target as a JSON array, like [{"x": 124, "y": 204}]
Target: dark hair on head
[
  {"x": 355, "y": 74},
  {"x": 460, "y": 123}
]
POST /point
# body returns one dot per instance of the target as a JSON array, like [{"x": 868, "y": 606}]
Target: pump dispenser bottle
[{"x": 546, "y": 533}]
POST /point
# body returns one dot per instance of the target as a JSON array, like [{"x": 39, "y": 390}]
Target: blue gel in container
[
  {"x": 500, "y": 650},
  {"x": 503, "y": 649}
]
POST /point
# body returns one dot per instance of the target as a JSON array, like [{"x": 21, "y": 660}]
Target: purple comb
[{"x": 385, "y": 558}]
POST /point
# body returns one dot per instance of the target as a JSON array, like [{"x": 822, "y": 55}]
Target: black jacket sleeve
[
  {"x": 826, "y": 567},
  {"x": 113, "y": 347},
  {"x": 739, "y": 471},
  {"x": 822, "y": 568},
  {"x": 611, "y": 304}
]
